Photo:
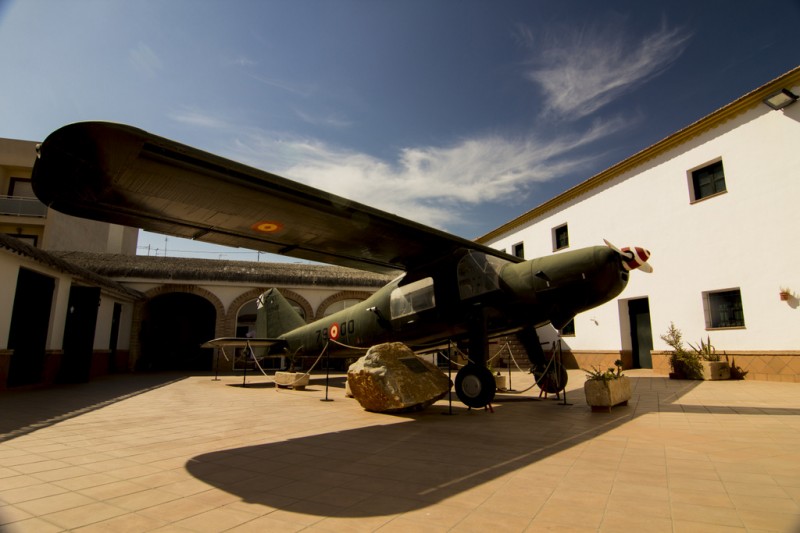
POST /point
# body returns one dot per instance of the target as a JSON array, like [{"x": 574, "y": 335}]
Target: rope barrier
[
  {"x": 535, "y": 381},
  {"x": 359, "y": 348},
  {"x": 272, "y": 378}
]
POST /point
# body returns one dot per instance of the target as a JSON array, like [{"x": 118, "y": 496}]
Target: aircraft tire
[{"x": 475, "y": 386}]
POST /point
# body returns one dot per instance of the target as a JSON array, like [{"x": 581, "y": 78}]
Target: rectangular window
[
  {"x": 560, "y": 237},
  {"x": 708, "y": 181},
  {"x": 568, "y": 330},
  {"x": 518, "y": 250},
  {"x": 723, "y": 309}
]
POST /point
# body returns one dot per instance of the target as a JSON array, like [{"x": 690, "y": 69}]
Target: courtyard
[{"x": 169, "y": 452}]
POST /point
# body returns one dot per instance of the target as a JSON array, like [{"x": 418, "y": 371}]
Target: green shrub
[{"x": 684, "y": 364}]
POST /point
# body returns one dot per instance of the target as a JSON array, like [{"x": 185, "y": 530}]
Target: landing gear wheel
[{"x": 475, "y": 386}]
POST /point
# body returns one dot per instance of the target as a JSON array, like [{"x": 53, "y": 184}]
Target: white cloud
[
  {"x": 145, "y": 60},
  {"x": 582, "y": 71}
]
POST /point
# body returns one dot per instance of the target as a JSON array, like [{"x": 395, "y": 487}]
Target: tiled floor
[{"x": 166, "y": 453}]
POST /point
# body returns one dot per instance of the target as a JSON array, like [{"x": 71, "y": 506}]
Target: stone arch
[
  {"x": 230, "y": 317},
  {"x": 140, "y": 307},
  {"x": 338, "y": 297}
]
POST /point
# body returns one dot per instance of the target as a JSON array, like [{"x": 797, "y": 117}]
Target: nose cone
[{"x": 571, "y": 282}]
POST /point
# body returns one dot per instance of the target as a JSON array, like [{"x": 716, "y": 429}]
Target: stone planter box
[
  {"x": 500, "y": 382},
  {"x": 294, "y": 380},
  {"x": 603, "y": 395},
  {"x": 715, "y": 370}
]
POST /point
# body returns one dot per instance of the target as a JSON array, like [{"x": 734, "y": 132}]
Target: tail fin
[{"x": 275, "y": 315}]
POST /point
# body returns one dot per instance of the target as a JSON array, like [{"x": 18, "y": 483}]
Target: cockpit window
[
  {"x": 412, "y": 298},
  {"x": 478, "y": 274}
]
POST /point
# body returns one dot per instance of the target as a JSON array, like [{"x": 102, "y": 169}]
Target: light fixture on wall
[{"x": 780, "y": 99}]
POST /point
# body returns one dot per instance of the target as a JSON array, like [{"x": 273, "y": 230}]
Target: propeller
[{"x": 633, "y": 257}]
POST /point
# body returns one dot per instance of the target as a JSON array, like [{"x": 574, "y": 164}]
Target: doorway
[
  {"x": 641, "y": 332},
  {"x": 174, "y": 325},
  {"x": 30, "y": 321},
  {"x": 79, "y": 334}
]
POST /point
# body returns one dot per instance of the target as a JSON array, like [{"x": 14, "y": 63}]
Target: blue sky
[{"x": 458, "y": 114}]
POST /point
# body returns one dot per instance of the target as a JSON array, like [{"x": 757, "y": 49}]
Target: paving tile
[
  {"x": 82, "y": 516},
  {"x": 32, "y": 525},
  {"x": 127, "y": 523},
  {"x": 10, "y": 514},
  {"x": 51, "y": 504}
]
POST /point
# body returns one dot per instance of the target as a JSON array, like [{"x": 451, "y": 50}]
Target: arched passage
[{"x": 174, "y": 325}]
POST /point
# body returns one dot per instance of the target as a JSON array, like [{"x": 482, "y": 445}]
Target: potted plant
[
  {"x": 713, "y": 368},
  {"x": 684, "y": 364},
  {"x": 605, "y": 389}
]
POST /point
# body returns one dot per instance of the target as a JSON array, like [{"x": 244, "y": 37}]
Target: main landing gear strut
[{"x": 475, "y": 385}]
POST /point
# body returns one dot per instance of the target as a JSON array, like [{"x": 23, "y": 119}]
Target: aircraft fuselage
[{"x": 470, "y": 290}]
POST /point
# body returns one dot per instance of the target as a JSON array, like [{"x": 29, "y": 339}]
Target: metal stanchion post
[
  {"x": 560, "y": 367},
  {"x": 216, "y": 367},
  {"x": 327, "y": 374}
]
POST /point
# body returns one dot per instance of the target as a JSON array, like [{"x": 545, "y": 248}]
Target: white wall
[{"x": 743, "y": 238}]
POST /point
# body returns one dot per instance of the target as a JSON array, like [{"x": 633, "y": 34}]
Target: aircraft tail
[{"x": 275, "y": 315}]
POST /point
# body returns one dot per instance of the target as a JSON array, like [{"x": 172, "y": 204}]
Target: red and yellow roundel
[
  {"x": 267, "y": 226},
  {"x": 333, "y": 331}
]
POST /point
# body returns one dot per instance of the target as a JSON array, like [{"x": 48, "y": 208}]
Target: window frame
[
  {"x": 411, "y": 299},
  {"x": 554, "y": 234},
  {"x": 518, "y": 249},
  {"x": 711, "y": 310},
  {"x": 694, "y": 187}
]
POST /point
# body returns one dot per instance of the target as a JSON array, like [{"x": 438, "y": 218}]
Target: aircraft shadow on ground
[
  {"x": 423, "y": 459},
  {"x": 25, "y": 411}
]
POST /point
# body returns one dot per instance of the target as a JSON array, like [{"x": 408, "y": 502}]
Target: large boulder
[{"x": 391, "y": 378}]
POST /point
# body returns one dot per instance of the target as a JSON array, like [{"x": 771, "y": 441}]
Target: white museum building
[{"x": 716, "y": 203}]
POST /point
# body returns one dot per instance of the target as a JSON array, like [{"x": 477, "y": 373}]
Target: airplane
[{"x": 446, "y": 288}]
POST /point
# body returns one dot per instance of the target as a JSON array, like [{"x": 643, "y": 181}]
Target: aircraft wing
[{"x": 124, "y": 175}]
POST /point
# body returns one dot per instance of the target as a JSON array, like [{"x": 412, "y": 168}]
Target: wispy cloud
[
  {"x": 427, "y": 184},
  {"x": 299, "y": 89},
  {"x": 145, "y": 60},
  {"x": 193, "y": 117},
  {"x": 582, "y": 71},
  {"x": 334, "y": 120}
]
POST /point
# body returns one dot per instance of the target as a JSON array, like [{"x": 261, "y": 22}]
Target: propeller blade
[{"x": 633, "y": 257}]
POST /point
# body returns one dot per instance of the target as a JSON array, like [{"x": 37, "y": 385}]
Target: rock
[{"x": 391, "y": 378}]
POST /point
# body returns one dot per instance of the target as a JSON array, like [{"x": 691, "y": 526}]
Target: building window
[
  {"x": 723, "y": 309},
  {"x": 560, "y": 238},
  {"x": 708, "y": 181},
  {"x": 518, "y": 250},
  {"x": 568, "y": 330}
]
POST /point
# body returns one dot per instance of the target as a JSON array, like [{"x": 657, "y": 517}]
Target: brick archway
[
  {"x": 139, "y": 311},
  {"x": 338, "y": 297},
  {"x": 229, "y": 322}
]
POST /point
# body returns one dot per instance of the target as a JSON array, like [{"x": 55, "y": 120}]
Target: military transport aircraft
[{"x": 447, "y": 288}]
